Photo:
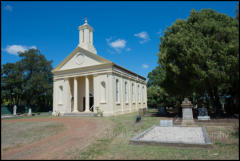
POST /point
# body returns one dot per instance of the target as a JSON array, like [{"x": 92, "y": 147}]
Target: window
[
  {"x": 126, "y": 92},
  {"x": 143, "y": 94},
  {"x": 133, "y": 93},
  {"x": 83, "y": 35},
  {"x": 139, "y": 94},
  {"x": 60, "y": 95},
  {"x": 117, "y": 90},
  {"x": 103, "y": 92}
]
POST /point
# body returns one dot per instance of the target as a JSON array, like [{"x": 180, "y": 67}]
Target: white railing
[{"x": 91, "y": 108}]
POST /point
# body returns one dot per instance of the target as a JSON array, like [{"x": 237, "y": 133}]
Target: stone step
[{"x": 80, "y": 114}]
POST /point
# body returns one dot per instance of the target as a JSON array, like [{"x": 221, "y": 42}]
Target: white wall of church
[
  {"x": 103, "y": 102},
  {"x": 129, "y": 101},
  {"x": 61, "y": 96}
]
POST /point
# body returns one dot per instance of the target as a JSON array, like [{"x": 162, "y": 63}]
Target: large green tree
[
  {"x": 28, "y": 80},
  {"x": 12, "y": 81},
  {"x": 200, "y": 57}
]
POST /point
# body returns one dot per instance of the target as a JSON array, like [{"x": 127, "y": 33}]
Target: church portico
[
  {"x": 84, "y": 81},
  {"x": 79, "y": 88}
]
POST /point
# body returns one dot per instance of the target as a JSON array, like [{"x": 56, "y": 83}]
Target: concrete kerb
[
  {"x": 205, "y": 135},
  {"x": 136, "y": 140}
]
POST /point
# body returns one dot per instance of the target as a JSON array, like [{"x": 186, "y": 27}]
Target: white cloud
[
  {"x": 143, "y": 36},
  {"x": 145, "y": 66},
  {"x": 8, "y": 8},
  {"x": 14, "y": 49},
  {"x": 117, "y": 44}
]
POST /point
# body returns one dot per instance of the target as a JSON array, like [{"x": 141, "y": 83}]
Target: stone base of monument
[
  {"x": 187, "y": 122},
  {"x": 175, "y": 136},
  {"x": 187, "y": 113},
  {"x": 203, "y": 118}
]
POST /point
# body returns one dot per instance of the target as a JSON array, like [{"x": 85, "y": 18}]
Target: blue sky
[{"x": 126, "y": 33}]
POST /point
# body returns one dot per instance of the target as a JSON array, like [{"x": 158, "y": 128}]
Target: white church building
[{"x": 85, "y": 80}]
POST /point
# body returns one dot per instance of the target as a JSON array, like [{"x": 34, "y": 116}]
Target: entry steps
[{"x": 80, "y": 114}]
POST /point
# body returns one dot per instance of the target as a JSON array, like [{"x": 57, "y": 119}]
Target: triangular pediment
[{"x": 80, "y": 58}]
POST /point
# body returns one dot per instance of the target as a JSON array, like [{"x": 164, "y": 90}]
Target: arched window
[
  {"x": 60, "y": 95},
  {"x": 103, "y": 92},
  {"x": 133, "y": 93},
  {"x": 139, "y": 94},
  {"x": 143, "y": 94},
  {"x": 126, "y": 92},
  {"x": 117, "y": 90}
]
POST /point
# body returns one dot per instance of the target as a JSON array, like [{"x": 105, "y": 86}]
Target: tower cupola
[{"x": 86, "y": 37}]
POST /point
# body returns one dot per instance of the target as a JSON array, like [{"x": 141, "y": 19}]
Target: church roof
[{"x": 97, "y": 56}]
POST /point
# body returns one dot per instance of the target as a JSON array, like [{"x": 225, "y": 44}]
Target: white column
[
  {"x": 87, "y": 94},
  {"x": 68, "y": 95},
  {"x": 75, "y": 95}
]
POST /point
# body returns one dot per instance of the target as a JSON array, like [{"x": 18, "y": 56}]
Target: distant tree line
[
  {"x": 198, "y": 59},
  {"x": 28, "y": 81}
]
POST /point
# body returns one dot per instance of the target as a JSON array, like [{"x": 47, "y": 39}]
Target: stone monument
[
  {"x": 187, "y": 114},
  {"x": 203, "y": 114},
  {"x": 162, "y": 111},
  {"x": 29, "y": 112},
  {"x": 15, "y": 110}
]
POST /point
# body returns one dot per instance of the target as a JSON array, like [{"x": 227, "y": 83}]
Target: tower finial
[{"x": 85, "y": 19}]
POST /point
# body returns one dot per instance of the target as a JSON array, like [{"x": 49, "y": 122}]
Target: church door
[{"x": 91, "y": 103}]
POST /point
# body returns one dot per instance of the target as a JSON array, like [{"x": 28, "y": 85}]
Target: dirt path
[{"x": 79, "y": 133}]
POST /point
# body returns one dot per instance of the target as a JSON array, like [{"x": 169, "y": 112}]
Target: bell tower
[{"x": 86, "y": 37}]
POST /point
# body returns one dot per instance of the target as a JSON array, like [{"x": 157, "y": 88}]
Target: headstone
[
  {"x": 202, "y": 111},
  {"x": 187, "y": 111},
  {"x": 29, "y": 112},
  {"x": 138, "y": 119},
  {"x": 162, "y": 111},
  {"x": 15, "y": 110},
  {"x": 166, "y": 122},
  {"x": 203, "y": 114}
]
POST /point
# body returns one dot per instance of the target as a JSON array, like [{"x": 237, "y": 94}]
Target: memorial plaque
[{"x": 166, "y": 122}]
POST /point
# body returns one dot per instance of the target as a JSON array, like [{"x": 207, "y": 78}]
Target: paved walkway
[{"x": 79, "y": 133}]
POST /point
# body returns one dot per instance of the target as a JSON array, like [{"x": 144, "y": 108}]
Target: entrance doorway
[{"x": 91, "y": 102}]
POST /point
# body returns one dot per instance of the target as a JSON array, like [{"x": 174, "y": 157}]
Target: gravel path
[
  {"x": 175, "y": 134},
  {"x": 79, "y": 133}
]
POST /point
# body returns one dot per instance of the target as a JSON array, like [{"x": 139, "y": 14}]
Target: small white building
[{"x": 114, "y": 89}]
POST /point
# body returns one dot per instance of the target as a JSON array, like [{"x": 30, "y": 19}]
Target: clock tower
[{"x": 86, "y": 37}]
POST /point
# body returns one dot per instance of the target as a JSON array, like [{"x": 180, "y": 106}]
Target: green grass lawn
[
  {"x": 115, "y": 144},
  {"x": 15, "y": 134}
]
